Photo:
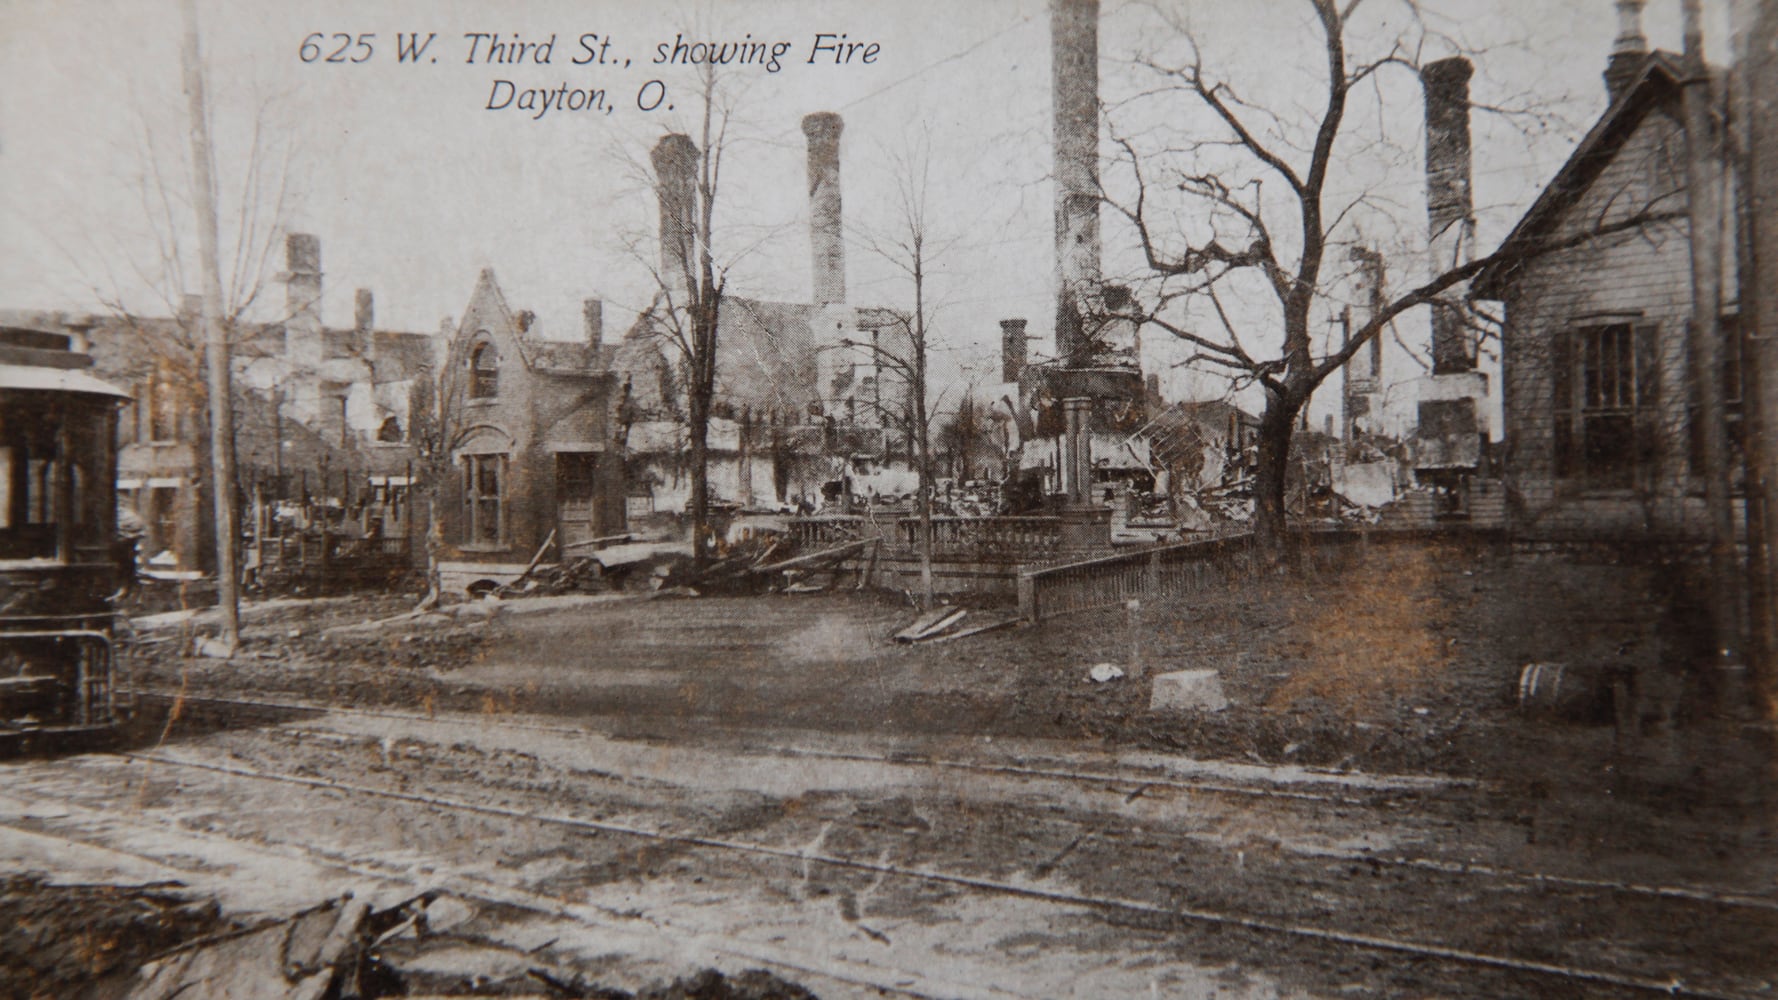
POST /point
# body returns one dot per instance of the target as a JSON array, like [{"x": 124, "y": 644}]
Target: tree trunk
[
  {"x": 1275, "y": 427},
  {"x": 434, "y": 543},
  {"x": 700, "y": 475}
]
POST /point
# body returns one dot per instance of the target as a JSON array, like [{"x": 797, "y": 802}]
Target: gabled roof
[
  {"x": 556, "y": 357},
  {"x": 1656, "y": 81}
]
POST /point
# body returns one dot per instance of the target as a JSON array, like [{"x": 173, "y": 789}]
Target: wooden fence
[
  {"x": 330, "y": 562},
  {"x": 1020, "y": 540},
  {"x": 988, "y": 539},
  {"x": 1147, "y": 573}
]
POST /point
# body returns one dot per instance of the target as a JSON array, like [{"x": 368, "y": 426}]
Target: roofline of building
[{"x": 1659, "y": 76}]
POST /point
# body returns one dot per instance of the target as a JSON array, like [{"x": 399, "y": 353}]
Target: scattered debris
[
  {"x": 754, "y": 984},
  {"x": 1006, "y": 622},
  {"x": 931, "y": 624},
  {"x": 571, "y": 576},
  {"x": 1571, "y": 693},
  {"x": 629, "y": 554},
  {"x": 1102, "y": 673},
  {"x": 57, "y": 939},
  {"x": 213, "y": 648},
  {"x": 325, "y": 951},
  {"x": 1188, "y": 689},
  {"x": 829, "y": 558}
]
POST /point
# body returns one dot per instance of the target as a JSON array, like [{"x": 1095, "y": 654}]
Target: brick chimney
[
  {"x": 1450, "y": 214},
  {"x": 1012, "y": 349},
  {"x": 303, "y": 342},
  {"x": 364, "y": 321},
  {"x": 592, "y": 313},
  {"x": 828, "y": 248},
  {"x": 1627, "y": 50},
  {"x": 364, "y": 311},
  {"x": 1074, "y": 71},
  {"x": 191, "y": 313},
  {"x": 675, "y": 160},
  {"x": 1453, "y": 417}
]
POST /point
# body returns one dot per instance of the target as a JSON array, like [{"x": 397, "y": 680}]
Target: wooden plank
[
  {"x": 931, "y": 623},
  {"x": 596, "y": 542},
  {"x": 837, "y": 552},
  {"x": 976, "y": 630}
]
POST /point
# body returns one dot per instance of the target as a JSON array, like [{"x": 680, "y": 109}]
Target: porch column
[{"x": 1077, "y": 459}]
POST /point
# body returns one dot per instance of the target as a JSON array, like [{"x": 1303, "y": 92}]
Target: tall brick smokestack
[
  {"x": 1450, "y": 211},
  {"x": 592, "y": 313},
  {"x": 675, "y": 160},
  {"x": 364, "y": 321},
  {"x": 302, "y": 298},
  {"x": 1012, "y": 349},
  {"x": 1627, "y": 49},
  {"x": 364, "y": 310},
  {"x": 1074, "y": 66},
  {"x": 825, "y": 240}
]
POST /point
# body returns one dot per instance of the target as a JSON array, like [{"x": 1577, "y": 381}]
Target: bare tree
[
  {"x": 686, "y": 175},
  {"x": 1215, "y": 233},
  {"x": 909, "y": 243},
  {"x": 190, "y": 236}
]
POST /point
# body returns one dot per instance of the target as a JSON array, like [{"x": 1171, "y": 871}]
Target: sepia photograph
[{"x": 954, "y": 500}]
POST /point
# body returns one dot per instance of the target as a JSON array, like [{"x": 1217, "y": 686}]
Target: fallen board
[
  {"x": 977, "y": 630},
  {"x": 931, "y": 623}
]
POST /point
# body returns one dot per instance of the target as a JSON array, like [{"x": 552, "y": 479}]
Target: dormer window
[{"x": 484, "y": 372}]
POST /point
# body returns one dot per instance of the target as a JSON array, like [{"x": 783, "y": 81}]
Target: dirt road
[
  {"x": 859, "y": 870},
  {"x": 630, "y": 790}
]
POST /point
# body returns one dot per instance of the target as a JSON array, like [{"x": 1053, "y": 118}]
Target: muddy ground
[
  {"x": 794, "y": 724},
  {"x": 1408, "y": 660}
]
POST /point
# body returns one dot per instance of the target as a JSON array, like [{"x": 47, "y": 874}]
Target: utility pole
[
  {"x": 1704, "y": 194},
  {"x": 1755, "y": 46},
  {"x": 216, "y": 352}
]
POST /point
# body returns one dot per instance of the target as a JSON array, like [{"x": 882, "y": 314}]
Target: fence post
[
  {"x": 1152, "y": 579},
  {"x": 1028, "y": 596}
]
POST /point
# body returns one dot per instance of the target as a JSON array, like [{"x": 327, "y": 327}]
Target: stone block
[{"x": 1190, "y": 689}]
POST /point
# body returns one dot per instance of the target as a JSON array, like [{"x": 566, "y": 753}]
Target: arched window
[{"x": 484, "y": 372}]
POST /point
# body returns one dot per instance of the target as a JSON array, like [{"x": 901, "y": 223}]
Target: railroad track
[
  {"x": 1147, "y": 913},
  {"x": 609, "y": 921},
  {"x": 1112, "y": 784},
  {"x": 1382, "y": 789}
]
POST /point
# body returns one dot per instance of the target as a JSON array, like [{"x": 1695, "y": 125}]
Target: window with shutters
[{"x": 1604, "y": 404}]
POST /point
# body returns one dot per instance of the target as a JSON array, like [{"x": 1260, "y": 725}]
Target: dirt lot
[
  {"x": 631, "y": 788},
  {"x": 1408, "y": 661}
]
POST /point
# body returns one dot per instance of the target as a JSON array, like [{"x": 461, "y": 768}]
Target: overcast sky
[{"x": 414, "y": 185}]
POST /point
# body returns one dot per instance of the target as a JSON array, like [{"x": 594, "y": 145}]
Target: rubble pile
[
  {"x": 155, "y": 942},
  {"x": 580, "y": 575},
  {"x": 56, "y": 938},
  {"x": 754, "y": 984}
]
